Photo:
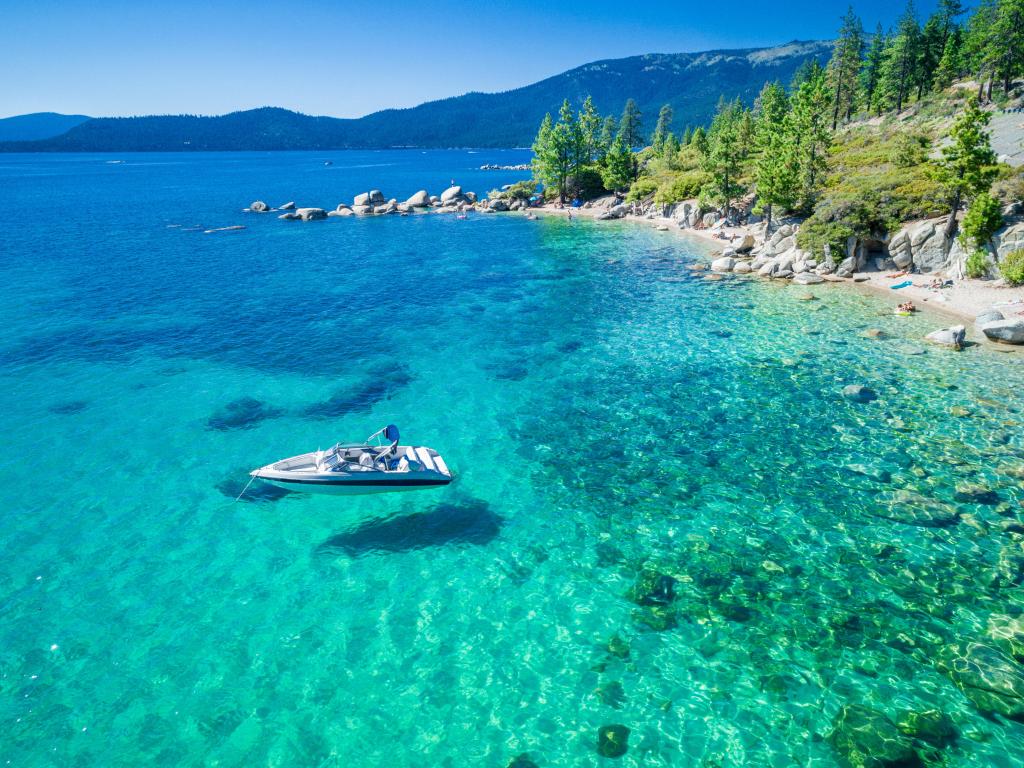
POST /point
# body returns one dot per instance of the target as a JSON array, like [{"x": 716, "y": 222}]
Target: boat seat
[
  {"x": 441, "y": 466},
  {"x": 425, "y": 460}
]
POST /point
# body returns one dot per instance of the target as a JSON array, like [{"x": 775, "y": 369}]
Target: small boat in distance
[{"x": 368, "y": 467}]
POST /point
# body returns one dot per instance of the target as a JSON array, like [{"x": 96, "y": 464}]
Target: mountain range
[{"x": 691, "y": 82}]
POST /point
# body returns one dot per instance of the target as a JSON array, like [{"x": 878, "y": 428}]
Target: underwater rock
[
  {"x": 612, "y": 740},
  {"x": 873, "y": 333},
  {"x": 1007, "y": 632},
  {"x": 618, "y": 647},
  {"x": 68, "y": 408},
  {"x": 653, "y": 588},
  {"x": 243, "y": 413},
  {"x": 973, "y": 493},
  {"x": 912, "y": 508},
  {"x": 656, "y": 617},
  {"x": 959, "y": 411},
  {"x": 612, "y": 694},
  {"x": 859, "y": 393},
  {"x": 522, "y": 761},
  {"x": 864, "y": 737},
  {"x": 931, "y": 725},
  {"x": 992, "y": 681}
]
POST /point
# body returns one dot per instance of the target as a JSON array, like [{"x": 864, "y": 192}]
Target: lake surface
[{"x": 666, "y": 517}]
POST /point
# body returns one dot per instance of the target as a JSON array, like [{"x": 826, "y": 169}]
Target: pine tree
[
  {"x": 948, "y": 12},
  {"x": 607, "y": 137},
  {"x": 809, "y": 135},
  {"x": 661, "y": 129},
  {"x": 556, "y": 151},
  {"x": 898, "y": 67},
  {"x": 630, "y": 125},
  {"x": 977, "y": 48},
  {"x": 951, "y": 63},
  {"x": 687, "y": 136},
  {"x": 725, "y": 152},
  {"x": 671, "y": 149},
  {"x": 776, "y": 169},
  {"x": 872, "y": 68},
  {"x": 590, "y": 130},
  {"x": 968, "y": 164},
  {"x": 1007, "y": 41},
  {"x": 844, "y": 65},
  {"x": 929, "y": 53},
  {"x": 617, "y": 170}
]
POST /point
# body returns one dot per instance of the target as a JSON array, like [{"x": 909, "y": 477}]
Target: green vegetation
[
  {"x": 877, "y": 138},
  {"x": 1012, "y": 268}
]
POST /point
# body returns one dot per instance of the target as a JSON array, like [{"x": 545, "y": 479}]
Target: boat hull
[{"x": 343, "y": 487}]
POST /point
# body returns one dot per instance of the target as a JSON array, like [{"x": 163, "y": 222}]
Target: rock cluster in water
[{"x": 374, "y": 203}]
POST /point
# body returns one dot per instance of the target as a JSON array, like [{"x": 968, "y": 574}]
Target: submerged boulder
[
  {"x": 612, "y": 740},
  {"x": 865, "y": 737},
  {"x": 931, "y": 726},
  {"x": 912, "y": 508},
  {"x": 807, "y": 278},
  {"x": 992, "y": 681},
  {"x": 1007, "y": 632},
  {"x": 859, "y": 393}
]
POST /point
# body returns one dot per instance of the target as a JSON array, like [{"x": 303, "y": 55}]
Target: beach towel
[{"x": 904, "y": 284}]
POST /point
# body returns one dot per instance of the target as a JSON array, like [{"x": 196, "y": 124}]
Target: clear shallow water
[{"x": 609, "y": 413}]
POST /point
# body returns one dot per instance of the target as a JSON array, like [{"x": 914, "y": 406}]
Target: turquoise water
[{"x": 613, "y": 418}]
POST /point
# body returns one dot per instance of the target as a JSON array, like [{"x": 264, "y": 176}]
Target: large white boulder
[
  {"x": 807, "y": 278},
  {"x": 724, "y": 264},
  {"x": 615, "y": 212},
  {"x": 420, "y": 200},
  {"x": 311, "y": 214},
  {"x": 1007, "y": 331},
  {"x": 742, "y": 267},
  {"x": 451, "y": 195},
  {"x": 949, "y": 337},
  {"x": 361, "y": 200},
  {"x": 377, "y": 197},
  {"x": 258, "y": 206},
  {"x": 1009, "y": 240}
]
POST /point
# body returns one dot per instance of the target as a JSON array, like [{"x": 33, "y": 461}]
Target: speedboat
[{"x": 377, "y": 465}]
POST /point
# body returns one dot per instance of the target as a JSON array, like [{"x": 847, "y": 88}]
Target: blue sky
[{"x": 350, "y": 58}]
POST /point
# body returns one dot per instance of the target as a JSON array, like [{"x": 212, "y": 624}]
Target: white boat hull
[{"x": 301, "y": 474}]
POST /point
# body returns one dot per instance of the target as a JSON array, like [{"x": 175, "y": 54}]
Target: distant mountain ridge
[
  {"x": 38, "y": 125},
  {"x": 691, "y": 82}
]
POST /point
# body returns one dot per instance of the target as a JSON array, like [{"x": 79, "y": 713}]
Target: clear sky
[{"x": 113, "y": 57}]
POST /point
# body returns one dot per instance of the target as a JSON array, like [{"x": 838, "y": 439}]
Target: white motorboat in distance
[{"x": 351, "y": 468}]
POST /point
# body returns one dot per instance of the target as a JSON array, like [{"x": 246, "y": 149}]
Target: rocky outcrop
[
  {"x": 376, "y": 197},
  {"x": 724, "y": 264},
  {"x": 923, "y": 247},
  {"x": 420, "y": 200},
  {"x": 807, "y": 278},
  {"x": 1008, "y": 240},
  {"x": 615, "y": 212},
  {"x": 361, "y": 200},
  {"x": 258, "y": 206},
  {"x": 992, "y": 681},
  {"x": 859, "y": 393},
  {"x": 1006, "y": 331},
  {"x": 311, "y": 214},
  {"x": 451, "y": 195},
  {"x": 289, "y": 206},
  {"x": 341, "y": 210},
  {"x": 949, "y": 337},
  {"x": 497, "y": 205},
  {"x": 866, "y": 737}
]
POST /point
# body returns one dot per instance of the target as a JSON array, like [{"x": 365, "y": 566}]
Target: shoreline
[{"x": 962, "y": 301}]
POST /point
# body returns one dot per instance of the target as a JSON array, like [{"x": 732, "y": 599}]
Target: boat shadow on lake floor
[{"x": 466, "y": 522}]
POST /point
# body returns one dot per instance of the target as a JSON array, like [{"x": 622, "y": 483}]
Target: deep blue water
[{"x": 613, "y": 418}]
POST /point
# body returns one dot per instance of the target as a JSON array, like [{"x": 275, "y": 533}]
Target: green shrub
[
  {"x": 589, "y": 183},
  {"x": 1012, "y": 268},
  {"x": 1010, "y": 187},
  {"x": 521, "y": 190},
  {"x": 983, "y": 218},
  {"x": 642, "y": 188},
  {"x": 909, "y": 150},
  {"x": 976, "y": 265},
  {"x": 683, "y": 186}
]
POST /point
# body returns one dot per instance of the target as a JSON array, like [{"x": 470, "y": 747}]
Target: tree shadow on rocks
[{"x": 466, "y": 522}]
